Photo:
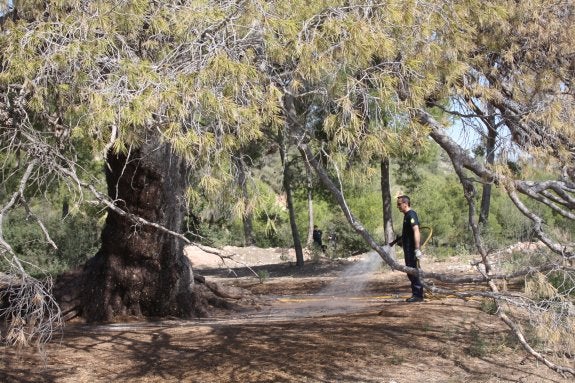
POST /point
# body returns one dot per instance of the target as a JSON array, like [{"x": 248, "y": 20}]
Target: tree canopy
[{"x": 344, "y": 82}]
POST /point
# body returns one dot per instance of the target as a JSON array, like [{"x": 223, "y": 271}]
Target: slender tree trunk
[
  {"x": 139, "y": 270},
  {"x": 292, "y": 219},
  {"x": 490, "y": 157},
  {"x": 293, "y": 125},
  {"x": 65, "y": 207},
  {"x": 247, "y": 217},
  {"x": 387, "y": 203},
  {"x": 295, "y": 234},
  {"x": 309, "y": 186},
  {"x": 247, "y": 221}
]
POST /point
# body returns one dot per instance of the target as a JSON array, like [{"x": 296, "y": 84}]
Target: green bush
[
  {"x": 263, "y": 275},
  {"x": 348, "y": 242},
  {"x": 564, "y": 282},
  {"x": 478, "y": 347},
  {"x": 77, "y": 238},
  {"x": 489, "y": 306}
]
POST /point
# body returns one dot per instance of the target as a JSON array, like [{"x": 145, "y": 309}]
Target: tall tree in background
[
  {"x": 490, "y": 148},
  {"x": 309, "y": 193},
  {"x": 246, "y": 211},
  {"x": 389, "y": 235},
  {"x": 287, "y": 188}
]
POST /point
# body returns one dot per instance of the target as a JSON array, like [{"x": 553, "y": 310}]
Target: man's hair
[{"x": 405, "y": 199}]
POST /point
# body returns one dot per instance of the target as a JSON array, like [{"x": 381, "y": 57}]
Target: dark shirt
[
  {"x": 408, "y": 241},
  {"x": 317, "y": 236}
]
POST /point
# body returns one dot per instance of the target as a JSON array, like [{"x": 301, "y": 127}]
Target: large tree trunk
[{"x": 141, "y": 270}]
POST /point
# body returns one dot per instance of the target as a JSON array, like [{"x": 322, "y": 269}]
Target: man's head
[{"x": 403, "y": 203}]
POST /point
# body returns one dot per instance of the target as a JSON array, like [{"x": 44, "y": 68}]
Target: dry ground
[{"x": 333, "y": 321}]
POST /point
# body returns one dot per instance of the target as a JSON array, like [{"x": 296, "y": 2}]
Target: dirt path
[{"x": 320, "y": 324}]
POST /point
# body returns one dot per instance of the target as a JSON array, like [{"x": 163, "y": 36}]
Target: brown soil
[{"x": 317, "y": 324}]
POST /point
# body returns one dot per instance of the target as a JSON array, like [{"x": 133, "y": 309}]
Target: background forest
[
  {"x": 428, "y": 179},
  {"x": 130, "y": 129}
]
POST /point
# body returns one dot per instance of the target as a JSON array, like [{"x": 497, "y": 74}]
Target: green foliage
[
  {"x": 412, "y": 169},
  {"x": 563, "y": 282},
  {"x": 366, "y": 69},
  {"x": 263, "y": 275},
  {"x": 438, "y": 200},
  {"x": 478, "y": 347},
  {"x": 489, "y": 306},
  {"x": 514, "y": 225},
  {"x": 367, "y": 205},
  {"x": 439, "y": 204},
  {"x": 363, "y": 198},
  {"x": 348, "y": 241},
  {"x": 78, "y": 240},
  {"x": 26, "y": 238},
  {"x": 76, "y": 237},
  {"x": 213, "y": 235}
]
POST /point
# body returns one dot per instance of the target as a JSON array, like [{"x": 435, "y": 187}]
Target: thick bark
[{"x": 141, "y": 271}]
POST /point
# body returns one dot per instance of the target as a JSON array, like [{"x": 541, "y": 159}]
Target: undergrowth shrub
[
  {"x": 477, "y": 344},
  {"x": 77, "y": 238},
  {"x": 489, "y": 306}
]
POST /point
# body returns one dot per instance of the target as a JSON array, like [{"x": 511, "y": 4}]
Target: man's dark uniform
[
  {"x": 316, "y": 235},
  {"x": 408, "y": 242}
]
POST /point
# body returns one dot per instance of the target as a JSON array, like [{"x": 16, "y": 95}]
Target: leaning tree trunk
[{"x": 140, "y": 270}]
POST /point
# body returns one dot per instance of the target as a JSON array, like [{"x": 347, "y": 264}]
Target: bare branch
[
  {"x": 460, "y": 156},
  {"x": 459, "y": 160},
  {"x": 16, "y": 196},
  {"x": 538, "y": 226},
  {"x": 33, "y": 314},
  {"x": 517, "y": 331}
]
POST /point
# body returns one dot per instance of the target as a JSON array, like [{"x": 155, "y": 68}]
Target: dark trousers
[{"x": 416, "y": 285}]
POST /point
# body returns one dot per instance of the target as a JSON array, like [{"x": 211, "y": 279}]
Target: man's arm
[
  {"x": 396, "y": 240},
  {"x": 416, "y": 236}
]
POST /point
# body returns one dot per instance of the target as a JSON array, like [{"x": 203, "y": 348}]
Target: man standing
[
  {"x": 410, "y": 238},
  {"x": 316, "y": 235}
]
